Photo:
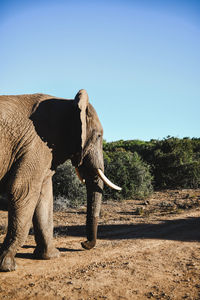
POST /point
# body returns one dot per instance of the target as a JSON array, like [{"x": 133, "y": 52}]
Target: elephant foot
[
  {"x": 49, "y": 253},
  {"x": 88, "y": 244},
  {"x": 7, "y": 262}
]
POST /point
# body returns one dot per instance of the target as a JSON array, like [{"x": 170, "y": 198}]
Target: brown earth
[{"x": 146, "y": 250}]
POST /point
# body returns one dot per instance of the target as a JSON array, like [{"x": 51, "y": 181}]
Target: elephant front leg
[{"x": 43, "y": 222}]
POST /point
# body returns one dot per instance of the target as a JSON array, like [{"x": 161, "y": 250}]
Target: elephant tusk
[
  {"x": 79, "y": 176},
  {"x": 107, "y": 181}
]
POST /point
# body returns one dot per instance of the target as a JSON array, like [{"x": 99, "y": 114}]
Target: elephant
[{"x": 38, "y": 133}]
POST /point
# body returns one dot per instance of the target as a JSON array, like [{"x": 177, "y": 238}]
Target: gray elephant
[{"x": 38, "y": 133}]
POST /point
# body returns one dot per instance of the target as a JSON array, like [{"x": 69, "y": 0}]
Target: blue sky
[{"x": 138, "y": 60}]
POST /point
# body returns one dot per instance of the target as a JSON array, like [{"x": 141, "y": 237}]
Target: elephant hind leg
[
  {"x": 24, "y": 191},
  {"x": 19, "y": 222},
  {"x": 43, "y": 222}
]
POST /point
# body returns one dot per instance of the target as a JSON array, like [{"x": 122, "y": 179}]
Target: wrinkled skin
[{"x": 38, "y": 133}]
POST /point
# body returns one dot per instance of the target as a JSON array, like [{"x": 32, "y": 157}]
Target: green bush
[
  {"x": 185, "y": 175},
  {"x": 174, "y": 162},
  {"x": 128, "y": 171},
  {"x": 68, "y": 190}
]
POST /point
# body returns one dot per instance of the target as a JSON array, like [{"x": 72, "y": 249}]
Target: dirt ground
[{"x": 146, "y": 250}]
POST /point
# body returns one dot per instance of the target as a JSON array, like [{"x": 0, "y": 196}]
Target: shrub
[
  {"x": 185, "y": 175},
  {"x": 128, "y": 171},
  {"x": 68, "y": 190},
  {"x": 174, "y": 162},
  {"x": 176, "y": 165}
]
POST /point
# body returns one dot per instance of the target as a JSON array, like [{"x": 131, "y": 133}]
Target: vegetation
[
  {"x": 138, "y": 167},
  {"x": 174, "y": 163},
  {"x": 129, "y": 171}
]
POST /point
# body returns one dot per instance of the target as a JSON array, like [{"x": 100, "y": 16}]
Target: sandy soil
[{"x": 146, "y": 250}]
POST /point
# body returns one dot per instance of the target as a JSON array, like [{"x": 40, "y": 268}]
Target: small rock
[
  {"x": 31, "y": 284},
  {"x": 150, "y": 295}
]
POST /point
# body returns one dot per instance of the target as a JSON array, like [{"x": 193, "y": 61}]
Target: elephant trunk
[
  {"x": 94, "y": 198},
  {"x": 94, "y": 184}
]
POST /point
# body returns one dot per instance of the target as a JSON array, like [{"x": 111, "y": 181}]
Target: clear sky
[{"x": 139, "y": 60}]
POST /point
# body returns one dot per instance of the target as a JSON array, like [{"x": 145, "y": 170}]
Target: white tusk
[
  {"x": 107, "y": 181},
  {"x": 79, "y": 176}
]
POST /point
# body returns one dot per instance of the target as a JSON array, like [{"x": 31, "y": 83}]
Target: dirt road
[{"x": 146, "y": 250}]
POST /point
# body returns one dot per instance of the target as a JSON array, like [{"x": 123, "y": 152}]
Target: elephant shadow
[
  {"x": 177, "y": 230},
  {"x": 185, "y": 230}
]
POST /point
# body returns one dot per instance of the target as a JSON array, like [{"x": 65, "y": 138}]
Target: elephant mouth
[{"x": 103, "y": 178}]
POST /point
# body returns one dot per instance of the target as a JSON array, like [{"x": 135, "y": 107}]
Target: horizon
[{"x": 152, "y": 140}]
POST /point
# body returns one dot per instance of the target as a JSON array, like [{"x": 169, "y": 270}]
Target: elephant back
[{"x": 16, "y": 129}]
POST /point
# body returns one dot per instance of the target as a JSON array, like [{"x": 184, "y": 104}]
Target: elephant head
[{"x": 90, "y": 168}]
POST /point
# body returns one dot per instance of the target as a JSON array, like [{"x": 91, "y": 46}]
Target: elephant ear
[{"x": 81, "y": 101}]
